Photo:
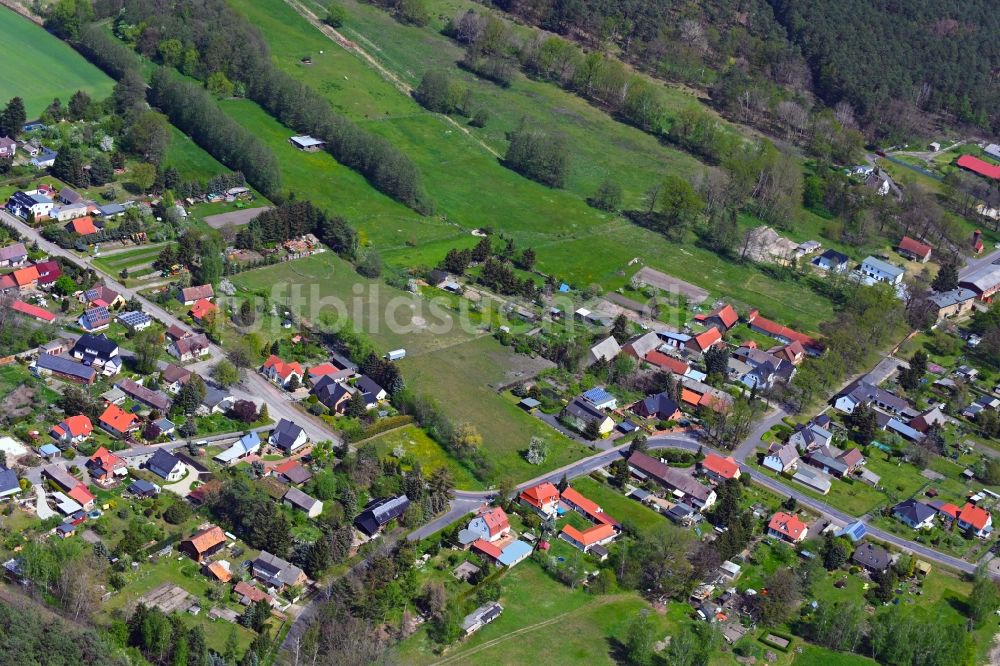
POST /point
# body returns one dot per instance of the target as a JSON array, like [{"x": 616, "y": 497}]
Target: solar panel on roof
[{"x": 99, "y": 313}]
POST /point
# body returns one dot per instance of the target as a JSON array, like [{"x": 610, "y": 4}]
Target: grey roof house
[{"x": 379, "y": 512}]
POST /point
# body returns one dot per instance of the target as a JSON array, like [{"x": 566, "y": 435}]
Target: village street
[{"x": 253, "y": 387}]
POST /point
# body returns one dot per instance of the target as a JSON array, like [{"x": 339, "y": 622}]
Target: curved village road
[
  {"x": 466, "y": 501},
  {"x": 253, "y": 387}
]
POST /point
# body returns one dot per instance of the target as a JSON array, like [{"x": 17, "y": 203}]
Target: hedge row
[{"x": 381, "y": 426}]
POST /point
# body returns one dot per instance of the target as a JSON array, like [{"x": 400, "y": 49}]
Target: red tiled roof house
[
  {"x": 280, "y": 372},
  {"x": 72, "y": 429},
  {"x": 204, "y": 543},
  {"x": 104, "y": 466},
  {"x": 720, "y": 468},
  {"x": 117, "y": 421},
  {"x": 585, "y": 540},
  {"x": 914, "y": 249},
  {"x": 975, "y": 520},
  {"x": 787, "y": 527},
  {"x": 543, "y": 498},
  {"x": 491, "y": 524}
]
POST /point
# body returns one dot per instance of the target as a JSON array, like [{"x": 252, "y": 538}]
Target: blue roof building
[
  {"x": 249, "y": 443},
  {"x": 856, "y": 531},
  {"x": 49, "y": 450},
  {"x": 142, "y": 488},
  {"x": 514, "y": 553},
  {"x": 63, "y": 367},
  {"x": 9, "y": 485}
]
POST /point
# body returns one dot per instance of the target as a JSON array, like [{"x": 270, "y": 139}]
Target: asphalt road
[
  {"x": 975, "y": 262},
  {"x": 467, "y": 501},
  {"x": 253, "y": 387}
]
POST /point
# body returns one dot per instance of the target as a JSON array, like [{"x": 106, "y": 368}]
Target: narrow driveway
[{"x": 41, "y": 506}]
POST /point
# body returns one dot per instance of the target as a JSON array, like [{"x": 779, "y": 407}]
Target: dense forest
[
  {"x": 882, "y": 62},
  {"x": 926, "y": 54}
]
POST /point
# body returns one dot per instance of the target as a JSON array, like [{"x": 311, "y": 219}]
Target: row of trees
[
  {"x": 494, "y": 50},
  {"x": 219, "y": 41},
  {"x": 194, "y": 112},
  {"x": 870, "y": 317}
]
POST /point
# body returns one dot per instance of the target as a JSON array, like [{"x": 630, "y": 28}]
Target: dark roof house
[
  {"x": 872, "y": 557},
  {"x": 380, "y": 512}
]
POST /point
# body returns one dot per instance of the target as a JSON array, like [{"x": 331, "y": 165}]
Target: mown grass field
[
  {"x": 621, "y": 508},
  {"x": 471, "y": 188},
  {"x": 456, "y": 366},
  {"x": 114, "y": 263},
  {"x": 416, "y": 444},
  {"x": 189, "y": 159},
  {"x": 39, "y": 67}
]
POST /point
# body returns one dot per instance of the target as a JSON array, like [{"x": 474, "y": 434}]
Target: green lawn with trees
[
  {"x": 455, "y": 368},
  {"x": 38, "y": 67}
]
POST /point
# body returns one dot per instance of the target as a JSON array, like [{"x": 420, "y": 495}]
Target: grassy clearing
[
  {"x": 189, "y": 159},
  {"x": 584, "y": 631},
  {"x": 38, "y": 67},
  {"x": 184, "y": 573},
  {"x": 129, "y": 259},
  {"x": 458, "y": 367},
  {"x": 420, "y": 447},
  {"x": 602, "y": 146},
  {"x": 573, "y": 241},
  {"x": 618, "y": 506}
]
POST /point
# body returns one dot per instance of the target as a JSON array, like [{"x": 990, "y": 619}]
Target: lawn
[
  {"x": 183, "y": 572},
  {"x": 570, "y": 623},
  {"x": 855, "y": 498},
  {"x": 140, "y": 256},
  {"x": 900, "y": 480},
  {"x": 458, "y": 171},
  {"x": 190, "y": 160},
  {"x": 38, "y": 67},
  {"x": 445, "y": 360},
  {"x": 618, "y": 506},
  {"x": 417, "y": 445},
  {"x": 813, "y": 655}
]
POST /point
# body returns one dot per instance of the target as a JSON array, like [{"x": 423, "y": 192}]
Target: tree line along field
[
  {"x": 472, "y": 189},
  {"x": 38, "y": 67}
]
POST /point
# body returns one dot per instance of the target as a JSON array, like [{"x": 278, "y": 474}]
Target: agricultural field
[
  {"x": 39, "y": 67},
  {"x": 456, "y": 366},
  {"x": 458, "y": 169}
]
